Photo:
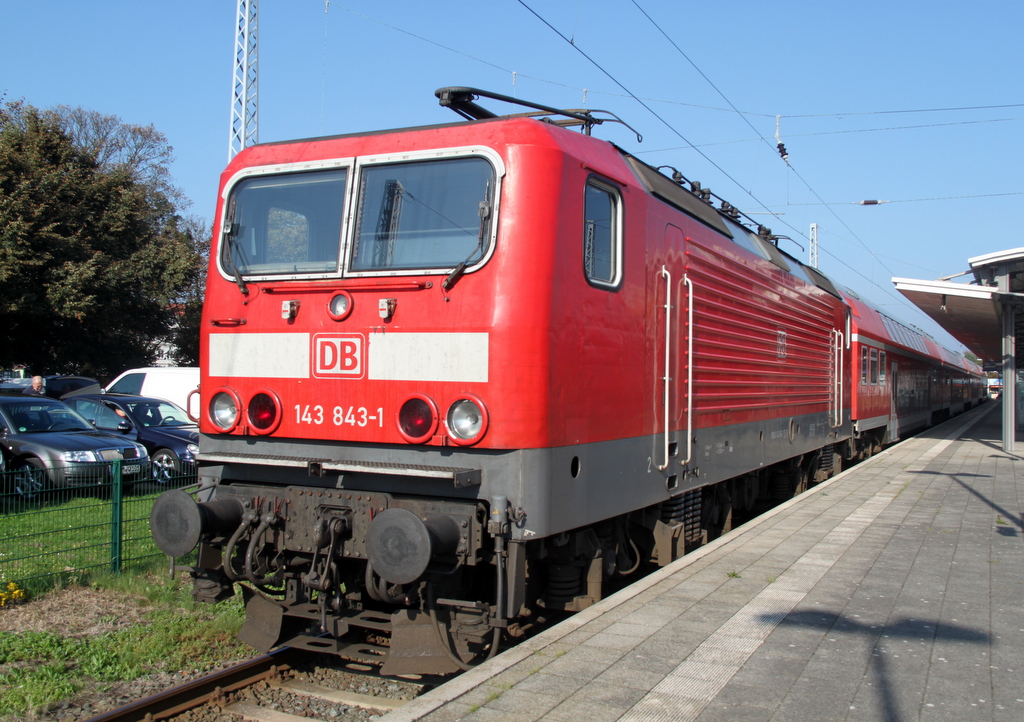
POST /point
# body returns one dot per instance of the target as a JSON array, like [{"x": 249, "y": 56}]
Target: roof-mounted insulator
[
  {"x": 778, "y": 141},
  {"x": 677, "y": 177},
  {"x": 703, "y": 193},
  {"x": 765, "y": 233},
  {"x": 730, "y": 210}
]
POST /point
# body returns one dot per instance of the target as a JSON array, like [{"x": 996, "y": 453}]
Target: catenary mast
[{"x": 245, "y": 83}]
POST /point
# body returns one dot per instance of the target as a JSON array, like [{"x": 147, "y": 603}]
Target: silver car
[{"x": 49, "y": 445}]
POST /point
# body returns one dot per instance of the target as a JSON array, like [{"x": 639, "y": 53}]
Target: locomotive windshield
[
  {"x": 285, "y": 224},
  {"x": 432, "y": 214}
]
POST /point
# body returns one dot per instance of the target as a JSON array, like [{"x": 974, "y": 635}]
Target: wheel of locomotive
[
  {"x": 166, "y": 466},
  {"x": 29, "y": 479}
]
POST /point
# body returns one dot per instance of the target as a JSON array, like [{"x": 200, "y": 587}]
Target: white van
[{"x": 171, "y": 383}]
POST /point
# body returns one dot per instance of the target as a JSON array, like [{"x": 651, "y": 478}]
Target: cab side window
[{"x": 602, "y": 234}]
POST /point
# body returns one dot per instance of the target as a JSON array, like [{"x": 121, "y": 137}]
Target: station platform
[{"x": 894, "y": 591}]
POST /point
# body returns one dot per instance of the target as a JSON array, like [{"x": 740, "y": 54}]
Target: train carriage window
[
  {"x": 602, "y": 246},
  {"x": 874, "y": 366},
  {"x": 285, "y": 224},
  {"x": 881, "y": 367},
  {"x": 432, "y": 214},
  {"x": 863, "y": 366}
]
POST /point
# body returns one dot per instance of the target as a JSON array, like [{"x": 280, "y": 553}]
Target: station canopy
[{"x": 972, "y": 312}]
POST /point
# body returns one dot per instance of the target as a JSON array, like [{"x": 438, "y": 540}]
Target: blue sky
[{"x": 917, "y": 103}]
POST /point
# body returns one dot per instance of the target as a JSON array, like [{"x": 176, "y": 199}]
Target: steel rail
[{"x": 190, "y": 695}]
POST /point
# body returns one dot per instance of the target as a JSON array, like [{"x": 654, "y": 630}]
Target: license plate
[{"x": 131, "y": 468}]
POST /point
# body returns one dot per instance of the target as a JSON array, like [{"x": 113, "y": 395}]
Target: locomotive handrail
[
  {"x": 668, "y": 356},
  {"x": 837, "y": 371},
  {"x": 689, "y": 370},
  {"x": 188, "y": 404},
  {"x": 347, "y": 285},
  {"x": 227, "y": 321}
]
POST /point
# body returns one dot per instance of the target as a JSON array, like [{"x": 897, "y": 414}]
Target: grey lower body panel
[{"x": 552, "y": 490}]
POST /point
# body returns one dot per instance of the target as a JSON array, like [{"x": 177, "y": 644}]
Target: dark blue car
[{"x": 166, "y": 431}]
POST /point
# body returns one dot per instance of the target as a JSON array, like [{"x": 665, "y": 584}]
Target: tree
[
  {"x": 188, "y": 305},
  {"x": 93, "y": 254}
]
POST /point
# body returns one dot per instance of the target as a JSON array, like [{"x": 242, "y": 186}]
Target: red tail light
[
  {"x": 264, "y": 413},
  {"x": 417, "y": 418}
]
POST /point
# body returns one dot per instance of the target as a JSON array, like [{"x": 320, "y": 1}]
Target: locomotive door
[{"x": 672, "y": 317}]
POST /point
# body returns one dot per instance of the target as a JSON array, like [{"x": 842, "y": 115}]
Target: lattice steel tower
[{"x": 245, "y": 84}]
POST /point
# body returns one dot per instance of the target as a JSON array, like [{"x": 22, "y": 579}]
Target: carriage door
[
  {"x": 672, "y": 293},
  {"x": 894, "y": 404}
]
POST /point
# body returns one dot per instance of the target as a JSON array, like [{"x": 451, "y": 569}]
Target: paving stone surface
[{"x": 893, "y": 592}]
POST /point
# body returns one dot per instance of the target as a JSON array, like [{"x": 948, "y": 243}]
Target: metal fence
[{"x": 55, "y": 526}]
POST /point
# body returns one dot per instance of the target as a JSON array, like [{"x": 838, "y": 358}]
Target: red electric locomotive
[{"x": 456, "y": 377}]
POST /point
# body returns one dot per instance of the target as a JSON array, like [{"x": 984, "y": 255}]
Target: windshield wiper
[
  {"x": 455, "y": 274},
  {"x": 230, "y": 232}
]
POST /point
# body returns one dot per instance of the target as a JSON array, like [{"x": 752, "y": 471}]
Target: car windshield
[
  {"x": 158, "y": 413},
  {"x": 40, "y": 416}
]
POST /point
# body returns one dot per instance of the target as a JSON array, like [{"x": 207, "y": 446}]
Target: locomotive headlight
[
  {"x": 466, "y": 420},
  {"x": 340, "y": 306},
  {"x": 417, "y": 418},
  {"x": 264, "y": 412},
  {"x": 224, "y": 410}
]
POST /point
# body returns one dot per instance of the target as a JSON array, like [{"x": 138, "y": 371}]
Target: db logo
[{"x": 338, "y": 356}]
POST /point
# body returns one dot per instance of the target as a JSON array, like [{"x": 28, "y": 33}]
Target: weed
[
  {"x": 42, "y": 668},
  {"x": 734, "y": 575}
]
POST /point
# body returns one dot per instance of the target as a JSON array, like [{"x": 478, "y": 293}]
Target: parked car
[
  {"x": 170, "y": 383},
  {"x": 171, "y": 438},
  {"x": 48, "y": 444},
  {"x": 54, "y": 386},
  {"x": 57, "y": 386}
]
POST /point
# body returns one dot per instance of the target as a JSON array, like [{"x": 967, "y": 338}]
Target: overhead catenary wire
[
  {"x": 666, "y": 101},
  {"x": 781, "y": 149},
  {"x": 643, "y": 101},
  {"x": 908, "y": 200},
  {"x": 650, "y": 110}
]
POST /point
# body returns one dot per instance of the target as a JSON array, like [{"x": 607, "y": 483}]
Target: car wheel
[
  {"x": 166, "y": 467},
  {"x": 29, "y": 478}
]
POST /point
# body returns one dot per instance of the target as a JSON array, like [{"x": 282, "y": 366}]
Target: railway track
[{"x": 287, "y": 685}]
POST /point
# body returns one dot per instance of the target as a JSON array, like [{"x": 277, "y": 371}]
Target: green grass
[
  {"x": 67, "y": 537},
  {"x": 38, "y": 669}
]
